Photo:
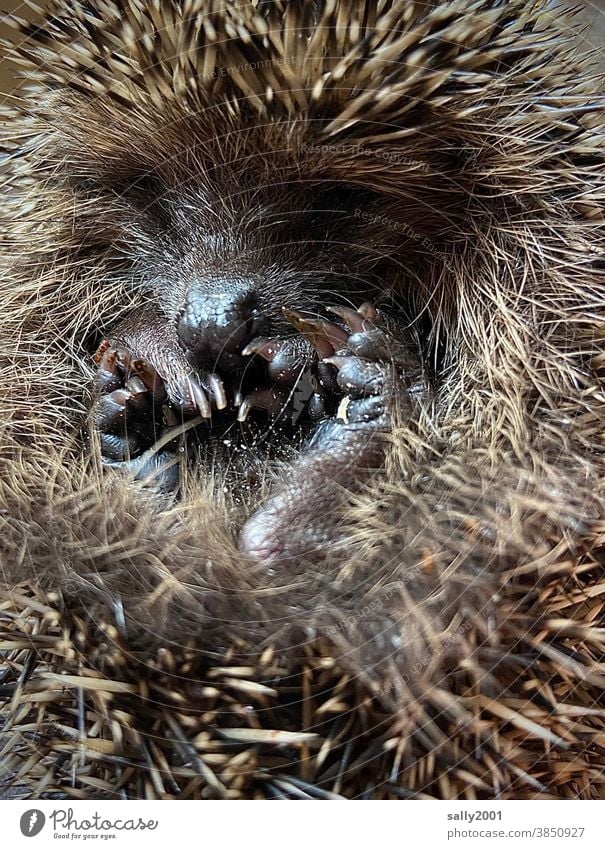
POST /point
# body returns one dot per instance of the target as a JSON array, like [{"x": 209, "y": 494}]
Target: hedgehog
[{"x": 302, "y": 399}]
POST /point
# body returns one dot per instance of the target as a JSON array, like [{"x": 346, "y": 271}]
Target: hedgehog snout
[{"x": 214, "y": 326}]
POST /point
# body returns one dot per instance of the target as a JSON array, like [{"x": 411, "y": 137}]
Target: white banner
[{"x": 348, "y": 825}]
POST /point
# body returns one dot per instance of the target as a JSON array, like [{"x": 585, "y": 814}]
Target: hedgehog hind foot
[{"x": 301, "y": 520}]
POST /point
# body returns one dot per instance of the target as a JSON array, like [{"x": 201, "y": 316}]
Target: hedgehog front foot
[
  {"x": 129, "y": 397},
  {"x": 376, "y": 370},
  {"x": 131, "y": 418},
  {"x": 135, "y": 408}
]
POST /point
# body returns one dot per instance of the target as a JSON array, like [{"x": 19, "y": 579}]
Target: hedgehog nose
[{"x": 214, "y": 327}]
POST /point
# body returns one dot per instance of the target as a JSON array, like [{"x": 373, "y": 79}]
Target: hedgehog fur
[{"x": 449, "y": 642}]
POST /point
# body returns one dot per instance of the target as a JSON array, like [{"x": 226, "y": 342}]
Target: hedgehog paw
[
  {"x": 295, "y": 388},
  {"x": 374, "y": 369},
  {"x": 371, "y": 363}
]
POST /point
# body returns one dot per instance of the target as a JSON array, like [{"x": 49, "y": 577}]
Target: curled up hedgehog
[{"x": 302, "y": 488}]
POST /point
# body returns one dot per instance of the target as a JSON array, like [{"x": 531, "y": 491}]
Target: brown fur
[{"x": 450, "y": 642}]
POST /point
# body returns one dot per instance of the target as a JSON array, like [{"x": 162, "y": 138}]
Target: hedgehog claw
[
  {"x": 199, "y": 398},
  {"x": 263, "y": 347},
  {"x": 101, "y": 350},
  {"x": 107, "y": 378},
  {"x": 123, "y": 359},
  {"x": 354, "y": 319},
  {"x": 244, "y": 410},
  {"x": 320, "y": 349},
  {"x": 271, "y": 400},
  {"x": 218, "y": 391},
  {"x": 325, "y": 336},
  {"x": 238, "y": 396},
  {"x": 337, "y": 361},
  {"x": 150, "y": 378},
  {"x": 369, "y": 311}
]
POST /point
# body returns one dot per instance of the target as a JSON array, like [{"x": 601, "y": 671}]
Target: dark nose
[{"x": 215, "y": 326}]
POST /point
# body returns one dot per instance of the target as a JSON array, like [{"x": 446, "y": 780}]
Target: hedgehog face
[{"x": 221, "y": 249}]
